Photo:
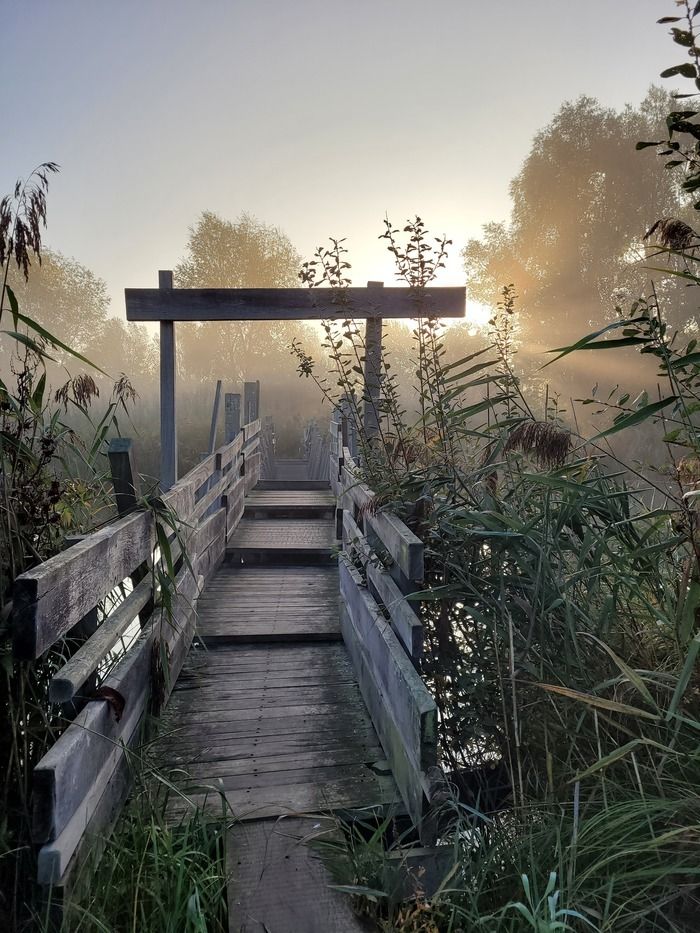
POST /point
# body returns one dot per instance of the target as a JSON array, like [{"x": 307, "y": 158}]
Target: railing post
[
  {"x": 126, "y": 484},
  {"x": 168, "y": 412},
  {"x": 214, "y": 417},
  {"x": 251, "y": 401},
  {"x": 373, "y": 367},
  {"x": 124, "y": 476},
  {"x": 348, "y": 426},
  {"x": 232, "y": 416}
]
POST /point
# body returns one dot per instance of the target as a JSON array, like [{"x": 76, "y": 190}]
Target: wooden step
[
  {"x": 262, "y": 540},
  {"x": 290, "y": 503},
  {"x": 295, "y": 484},
  {"x": 270, "y": 604}
]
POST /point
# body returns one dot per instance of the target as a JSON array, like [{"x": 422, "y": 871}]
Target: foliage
[
  {"x": 580, "y": 209},
  {"x": 243, "y": 254},
  {"x": 154, "y": 875},
  {"x": 69, "y": 299},
  {"x": 560, "y": 609},
  {"x": 51, "y": 485},
  {"x": 681, "y": 146}
]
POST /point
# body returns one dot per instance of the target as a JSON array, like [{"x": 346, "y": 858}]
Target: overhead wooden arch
[{"x": 167, "y": 305}]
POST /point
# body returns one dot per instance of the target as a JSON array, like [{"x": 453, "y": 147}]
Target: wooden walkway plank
[
  {"x": 267, "y": 717},
  {"x": 279, "y": 884},
  {"x": 244, "y": 605},
  {"x": 284, "y": 537}
]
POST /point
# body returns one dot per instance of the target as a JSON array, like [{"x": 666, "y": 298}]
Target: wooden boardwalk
[{"x": 267, "y": 711}]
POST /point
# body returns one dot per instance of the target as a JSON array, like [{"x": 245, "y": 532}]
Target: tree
[
  {"x": 582, "y": 202},
  {"x": 245, "y": 253},
  {"x": 70, "y": 301}
]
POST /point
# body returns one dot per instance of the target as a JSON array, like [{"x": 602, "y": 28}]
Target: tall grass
[
  {"x": 152, "y": 875},
  {"x": 560, "y": 603},
  {"x": 53, "y": 484}
]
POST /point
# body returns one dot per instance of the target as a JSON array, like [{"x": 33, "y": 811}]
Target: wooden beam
[
  {"x": 124, "y": 476},
  {"x": 232, "y": 411},
  {"x": 287, "y": 304},
  {"x": 373, "y": 366},
  {"x": 168, "y": 412},
  {"x": 214, "y": 417},
  {"x": 69, "y": 679},
  {"x": 51, "y": 598},
  {"x": 251, "y": 401}
]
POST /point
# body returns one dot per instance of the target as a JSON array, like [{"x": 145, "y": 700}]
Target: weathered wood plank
[
  {"x": 407, "y": 697},
  {"x": 214, "y": 417},
  {"x": 278, "y": 883},
  {"x": 52, "y": 597},
  {"x": 373, "y": 366},
  {"x": 69, "y": 679},
  {"x": 404, "y": 770},
  {"x": 273, "y": 304},
  {"x": 70, "y": 775},
  {"x": 168, "y": 405},
  {"x": 263, "y": 803},
  {"x": 59, "y": 860},
  {"x": 229, "y": 452},
  {"x": 124, "y": 476},
  {"x": 82, "y": 759},
  {"x": 402, "y": 710},
  {"x": 404, "y": 620},
  {"x": 403, "y": 545}
]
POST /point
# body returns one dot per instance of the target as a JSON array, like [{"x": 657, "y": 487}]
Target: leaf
[
  {"x": 684, "y": 679},
  {"x": 687, "y": 621},
  {"x": 632, "y": 676},
  {"x": 686, "y": 70},
  {"x": 589, "y": 338},
  {"x": 600, "y": 702},
  {"x": 54, "y": 341},
  {"x": 690, "y": 359},
  {"x": 636, "y": 417},
  {"x": 14, "y": 306},
  {"x": 372, "y": 894},
  {"x": 38, "y": 393},
  {"x": 28, "y": 342}
]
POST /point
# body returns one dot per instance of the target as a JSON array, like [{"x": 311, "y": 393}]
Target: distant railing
[
  {"x": 383, "y": 634},
  {"x": 81, "y": 783}
]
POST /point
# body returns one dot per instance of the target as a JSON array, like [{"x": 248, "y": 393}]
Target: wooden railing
[
  {"x": 81, "y": 783},
  {"x": 383, "y": 564}
]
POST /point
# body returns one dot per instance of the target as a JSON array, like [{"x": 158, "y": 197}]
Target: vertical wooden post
[
  {"x": 127, "y": 490},
  {"x": 214, "y": 417},
  {"x": 373, "y": 367},
  {"x": 168, "y": 413},
  {"x": 232, "y": 416},
  {"x": 124, "y": 477},
  {"x": 251, "y": 401}
]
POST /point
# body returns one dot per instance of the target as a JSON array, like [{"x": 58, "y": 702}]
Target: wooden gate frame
[{"x": 167, "y": 305}]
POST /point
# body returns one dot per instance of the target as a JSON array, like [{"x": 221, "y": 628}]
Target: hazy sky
[{"x": 318, "y": 116}]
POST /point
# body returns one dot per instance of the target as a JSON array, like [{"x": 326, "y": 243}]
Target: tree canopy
[
  {"x": 241, "y": 254},
  {"x": 244, "y": 253},
  {"x": 69, "y": 300},
  {"x": 582, "y": 202}
]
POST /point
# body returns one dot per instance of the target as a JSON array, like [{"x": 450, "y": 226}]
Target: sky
[{"x": 317, "y": 116}]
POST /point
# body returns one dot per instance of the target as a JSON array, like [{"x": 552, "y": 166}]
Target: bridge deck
[
  {"x": 267, "y": 711},
  {"x": 261, "y": 539}
]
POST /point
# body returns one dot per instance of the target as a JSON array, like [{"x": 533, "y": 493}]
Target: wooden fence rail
[
  {"x": 81, "y": 783},
  {"x": 383, "y": 564}
]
